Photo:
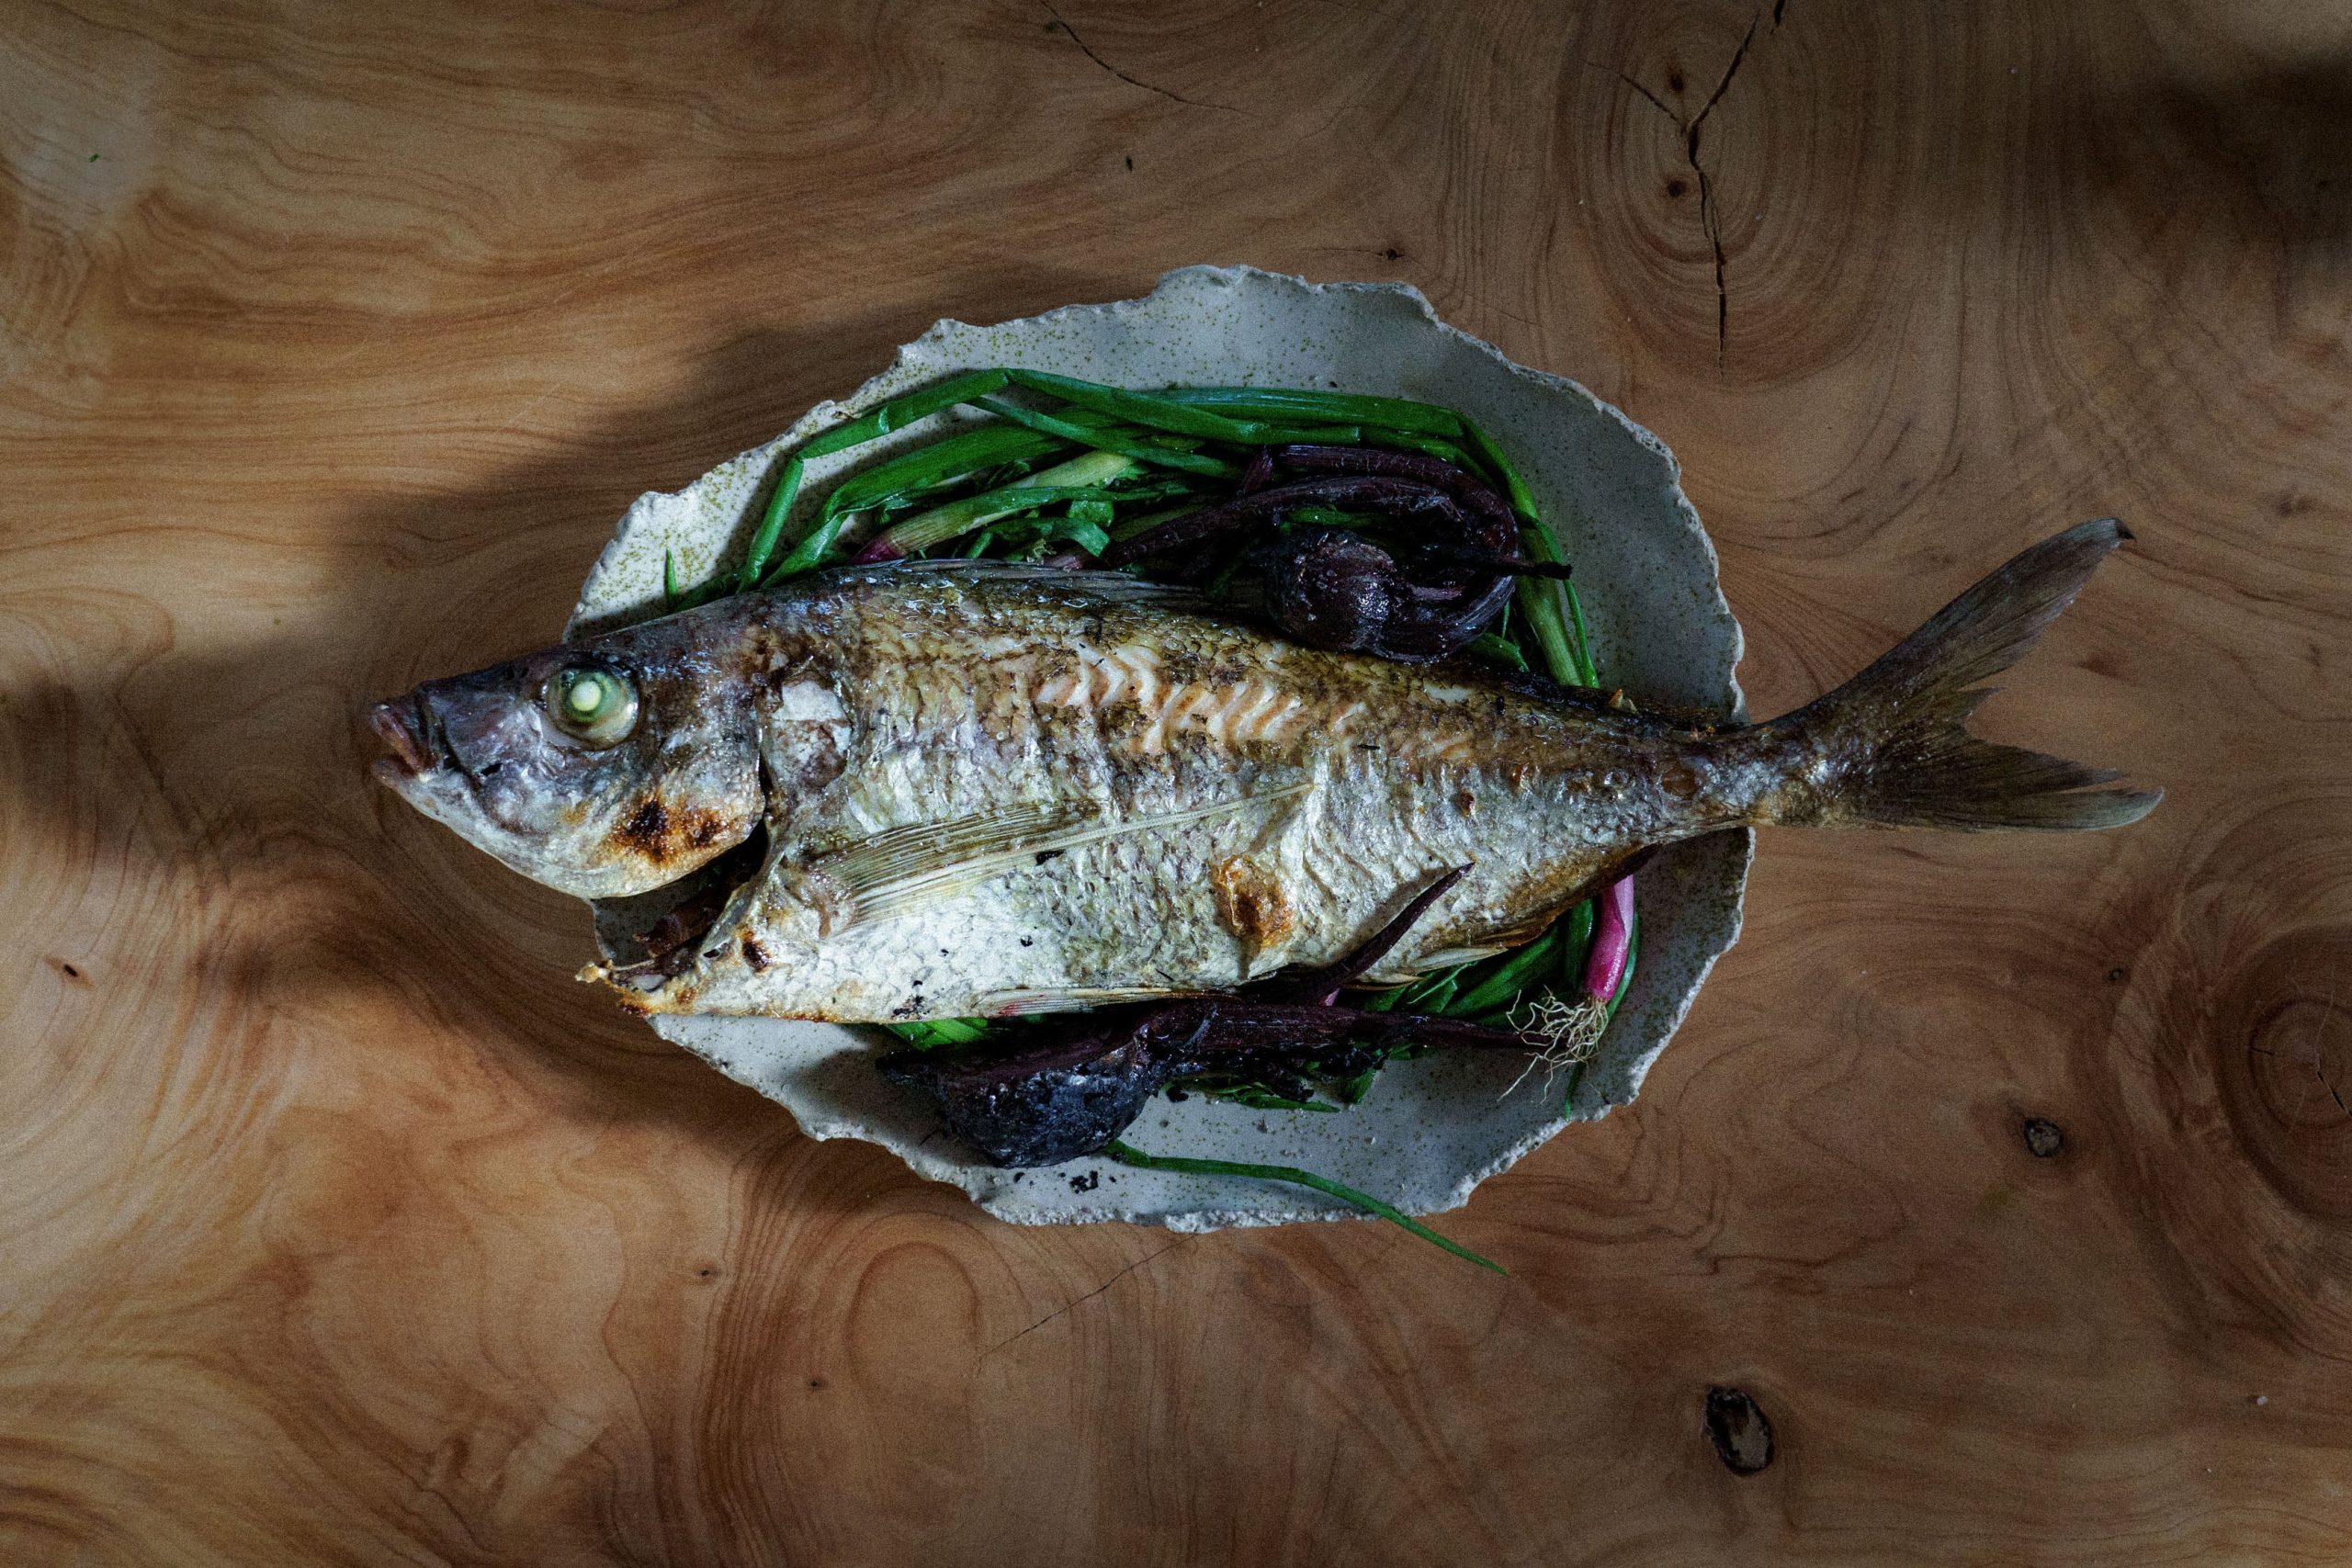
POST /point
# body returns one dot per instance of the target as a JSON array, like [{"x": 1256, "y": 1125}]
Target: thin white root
[{"x": 1570, "y": 1033}]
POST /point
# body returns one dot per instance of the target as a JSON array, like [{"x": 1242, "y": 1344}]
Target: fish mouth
[{"x": 405, "y": 731}]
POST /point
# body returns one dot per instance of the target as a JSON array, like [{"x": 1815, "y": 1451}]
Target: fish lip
[{"x": 402, "y": 727}]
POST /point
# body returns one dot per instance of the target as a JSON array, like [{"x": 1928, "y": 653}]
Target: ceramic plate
[{"x": 1433, "y": 1129}]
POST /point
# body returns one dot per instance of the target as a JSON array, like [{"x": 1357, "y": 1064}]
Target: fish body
[{"x": 978, "y": 789}]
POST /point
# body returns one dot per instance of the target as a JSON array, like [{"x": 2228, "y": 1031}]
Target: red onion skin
[{"x": 1613, "y": 935}]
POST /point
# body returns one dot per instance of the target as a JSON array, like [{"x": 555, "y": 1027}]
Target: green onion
[
  {"x": 1081, "y": 476},
  {"x": 1516, "y": 970},
  {"x": 1428, "y": 446},
  {"x": 1142, "y": 408},
  {"x": 670, "y": 579},
  {"x": 1339, "y": 408},
  {"x": 1258, "y": 1098},
  {"x": 1490, "y": 456},
  {"x": 1540, "y": 599},
  {"x": 1109, "y": 439},
  {"x": 958, "y": 456},
  {"x": 1431, "y": 992},
  {"x": 755, "y": 559},
  {"x": 1502, "y": 650},
  {"x": 926, "y": 468},
  {"x": 931, "y": 1033},
  {"x": 1127, "y": 1154},
  {"x": 901, "y": 411},
  {"x": 1576, "y": 625},
  {"x": 1576, "y": 946},
  {"x": 1317, "y": 435}
]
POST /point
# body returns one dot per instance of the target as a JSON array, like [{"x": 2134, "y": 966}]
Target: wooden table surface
[{"x": 341, "y": 1226}]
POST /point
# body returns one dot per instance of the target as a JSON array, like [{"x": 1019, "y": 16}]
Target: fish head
[{"x": 602, "y": 768}]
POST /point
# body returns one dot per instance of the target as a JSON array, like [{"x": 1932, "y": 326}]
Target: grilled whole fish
[{"x": 950, "y": 789}]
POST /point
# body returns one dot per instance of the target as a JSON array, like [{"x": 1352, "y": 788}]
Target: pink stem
[{"x": 1613, "y": 936}]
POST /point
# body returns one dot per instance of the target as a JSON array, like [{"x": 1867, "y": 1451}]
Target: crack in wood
[
  {"x": 1083, "y": 48},
  {"x": 1071, "y": 1306},
  {"x": 1710, "y": 216}
]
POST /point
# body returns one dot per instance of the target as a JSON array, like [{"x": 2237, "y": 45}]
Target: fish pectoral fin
[
  {"x": 1039, "y": 1000},
  {"x": 1429, "y": 963},
  {"x": 903, "y": 868}
]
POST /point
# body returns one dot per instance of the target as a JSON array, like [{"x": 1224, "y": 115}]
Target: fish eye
[{"x": 592, "y": 704}]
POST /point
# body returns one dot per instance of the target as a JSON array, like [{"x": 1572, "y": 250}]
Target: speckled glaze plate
[{"x": 1433, "y": 1129}]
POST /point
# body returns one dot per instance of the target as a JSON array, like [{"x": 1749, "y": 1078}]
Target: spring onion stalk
[
  {"x": 926, "y": 468},
  {"x": 1583, "y": 639},
  {"x": 941, "y": 524},
  {"x": 1340, "y": 407},
  {"x": 899, "y": 412},
  {"x": 755, "y": 559},
  {"x": 1502, "y": 650},
  {"x": 1127, "y": 1154},
  {"x": 1553, "y": 615},
  {"x": 931, "y": 1033},
  {"x": 1517, "y": 972},
  {"x": 670, "y": 579},
  {"x": 1146, "y": 409},
  {"x": 1482, "y": 447},
  {"x": 1108, "y": 438},
  {"x": 1427, "y": 445},
  {"x": 958, "y": 456},
  {"x": 1576, "y": 942},
  {"x": 1312, "y": 435}
]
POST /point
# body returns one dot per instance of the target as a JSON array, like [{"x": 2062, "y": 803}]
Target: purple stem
[
  {"x": 1394, "y": 496},
  {"x": 1258, "y": 475},
  {"x": 1462, "y": 487}
]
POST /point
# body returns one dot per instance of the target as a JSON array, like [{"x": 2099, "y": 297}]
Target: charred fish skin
[{"x": 989, "y": 789}]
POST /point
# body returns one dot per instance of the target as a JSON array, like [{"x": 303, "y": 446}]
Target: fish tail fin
[{"x": 1888, "y": 749}]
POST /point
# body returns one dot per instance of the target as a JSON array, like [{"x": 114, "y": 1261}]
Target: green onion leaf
[
  {"x": 957, "y": 457},
  {"x": 1306, "y": 403},
  {"x": 929, "y": 1034},
  {"x": 1109, "y": 439},
  {"x": 901, "y": 411},
  {"x": 1082, "y": 477},
  {"x": 1500, "y": 649},
  {"x": 1152, "y": 411},
  {"x": 755, "y": 559},
  {"x": 1515, "y": 974},
  {"x": 1127, "y": 1154}
]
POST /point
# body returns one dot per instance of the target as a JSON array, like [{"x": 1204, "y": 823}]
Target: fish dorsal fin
[
  {"x": 1093, "y": 587},
  {"x": 906, "y": 867}
]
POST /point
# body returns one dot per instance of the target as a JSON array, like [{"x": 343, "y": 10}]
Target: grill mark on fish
[
  {"x": 646, "y": 829},
  {"x": 661, "y": 835}
]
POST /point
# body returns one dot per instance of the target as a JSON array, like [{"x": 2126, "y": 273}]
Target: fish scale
[{"x": 1380, "y": 776}]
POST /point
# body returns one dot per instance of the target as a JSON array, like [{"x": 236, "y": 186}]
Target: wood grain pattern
[{"x": 342, "y": 1227}]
